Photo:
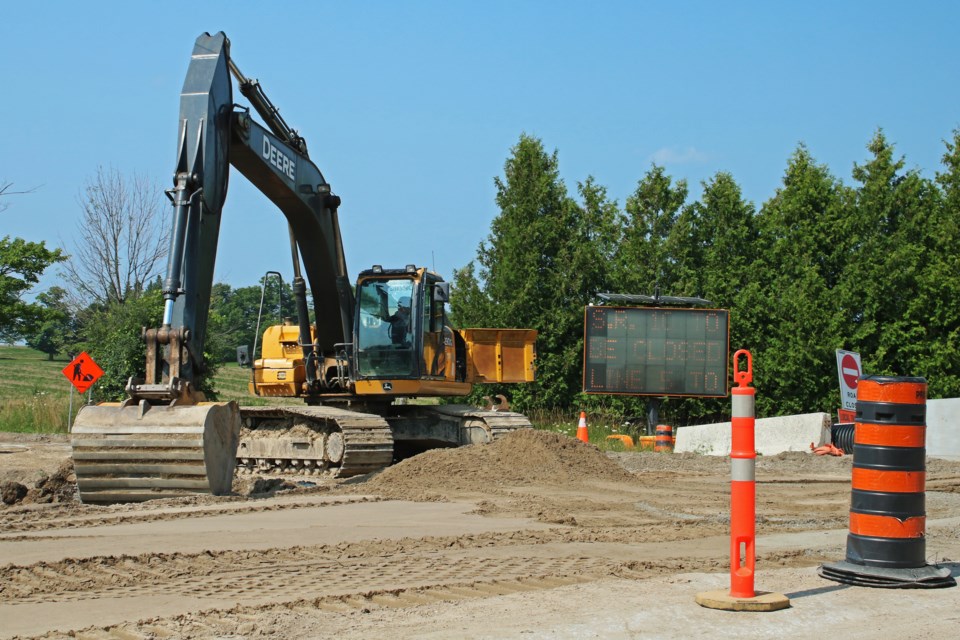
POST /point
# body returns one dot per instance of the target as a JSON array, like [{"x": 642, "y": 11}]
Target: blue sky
[{"x": 411, "y": 108}]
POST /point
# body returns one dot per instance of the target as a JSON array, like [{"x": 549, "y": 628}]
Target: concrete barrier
[
  {"x": 943, "y": 428},
  {"x": 795, "y": 433},
  {"x": 773, "y": 435}
]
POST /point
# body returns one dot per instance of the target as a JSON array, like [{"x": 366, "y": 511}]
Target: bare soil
[{"x": 535, "y": 535}]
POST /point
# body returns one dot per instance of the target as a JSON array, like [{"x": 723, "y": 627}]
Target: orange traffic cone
[{"x": 582, "y": 428}]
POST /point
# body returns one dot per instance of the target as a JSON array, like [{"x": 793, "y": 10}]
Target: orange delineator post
[
  {"x": 743, "y": 506},
  {"x": 743, "y": 486},
  {"x": 582, "y": 428}
]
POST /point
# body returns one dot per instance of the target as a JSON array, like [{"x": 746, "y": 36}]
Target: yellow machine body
[{"x": 487, "y": 356}]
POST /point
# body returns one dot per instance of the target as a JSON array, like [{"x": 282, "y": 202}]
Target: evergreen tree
[
  {"x": 712, "y": 246},
  {"x": 542, "y": 262},
  {"x": 797, "y": 267},
  {"x": 889, "y": 222},
  {"x": 936, "y": 350},
  {"x": 469, "y": 304},
  {"x": 643, "y": 259},
  {"x": 871, "y": 268}
]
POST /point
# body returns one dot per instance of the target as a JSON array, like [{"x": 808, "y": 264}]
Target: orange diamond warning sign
[{"x": 82, "y": 372}]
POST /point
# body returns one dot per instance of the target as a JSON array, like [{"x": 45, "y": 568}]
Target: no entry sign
[
  {"x": 82, "y": 372},
  {"x": 848, "y": 369}
]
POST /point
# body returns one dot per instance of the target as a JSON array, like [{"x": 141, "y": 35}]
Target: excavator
[{"x": 358, "y": 368}]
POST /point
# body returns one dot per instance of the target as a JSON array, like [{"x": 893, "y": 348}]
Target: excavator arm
[
  {"x": 215, "y": 134},
  {"x": 165, "y": 440}
]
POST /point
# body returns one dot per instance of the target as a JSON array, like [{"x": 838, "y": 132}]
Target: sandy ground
[{"x": 534, "y": 536}]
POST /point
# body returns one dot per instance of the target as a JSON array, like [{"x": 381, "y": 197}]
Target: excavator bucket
[{"x": 144, "y": 452}]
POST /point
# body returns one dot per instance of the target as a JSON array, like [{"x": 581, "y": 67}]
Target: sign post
[
  {"x": 849, "y": 372},
  {"x": 82, "y": 372}
]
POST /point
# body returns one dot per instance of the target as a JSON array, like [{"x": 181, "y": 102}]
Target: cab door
[{"x": 438, "y": 355}]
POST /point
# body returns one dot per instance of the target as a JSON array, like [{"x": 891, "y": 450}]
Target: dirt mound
[
  {"x": 522, "y": 458},
  {"x": 12, "y": 492},
  {"x": 61, "y": 486}
]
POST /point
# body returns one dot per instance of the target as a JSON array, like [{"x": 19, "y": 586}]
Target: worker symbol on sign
[
  {"x": 82, "y": 372},
  {"x": 78, "y": 373}
]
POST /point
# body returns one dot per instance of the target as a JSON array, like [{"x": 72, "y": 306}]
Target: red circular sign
[{"x": 850, "y": 370}]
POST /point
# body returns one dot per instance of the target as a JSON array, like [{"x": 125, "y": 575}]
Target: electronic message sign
[{"x": 656, "y": 351}]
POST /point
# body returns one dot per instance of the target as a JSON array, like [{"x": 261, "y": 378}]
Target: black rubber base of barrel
[{"x": 926, "y": 577}]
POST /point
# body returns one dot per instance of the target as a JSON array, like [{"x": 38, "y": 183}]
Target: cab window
[{"x": 386, "y": 325}]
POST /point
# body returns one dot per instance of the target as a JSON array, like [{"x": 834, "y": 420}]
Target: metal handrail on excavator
[{"x": 256, "y": 334}]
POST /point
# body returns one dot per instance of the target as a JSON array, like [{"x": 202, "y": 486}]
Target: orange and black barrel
[
  {"x": 663, "y": 439},
  {"x": 887, "y": 513},
  {"x": 886, "y": 545}
]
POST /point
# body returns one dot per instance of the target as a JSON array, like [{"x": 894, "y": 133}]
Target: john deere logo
[
  {"x": 388, "y": 386},
  {"x": 284, "y": 164}
]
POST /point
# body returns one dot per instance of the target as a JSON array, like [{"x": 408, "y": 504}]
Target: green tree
[
  {"x": 890, "y": 223},
  {"x": 722, "y": 236},
  {"x": 21, "y": 265},
  {"x": 799, "y": 259},
  {"x": 469, "y": 304},
  {"x": 935, "y": 352},
  {"x": 711, "y": 247},
  {"x": 643, "y": 258},
  {"x": 111, "y": 334},
  {"x": 541, "y": 263},
  {"x": 54, "y": 331}
]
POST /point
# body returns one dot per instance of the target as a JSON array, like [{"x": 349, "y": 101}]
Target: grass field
[
  {"x": 34, "y": 394},
  {"x": 35, "y": 397}
]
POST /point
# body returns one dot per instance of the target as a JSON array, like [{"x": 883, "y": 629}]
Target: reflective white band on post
[
  {"x": 742, "y": 405},
  {"x": 743, "y": 469}
]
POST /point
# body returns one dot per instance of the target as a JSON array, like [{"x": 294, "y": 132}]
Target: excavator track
[
  {"x": 456, "y": 425},
  {"x": 313, "y": 440},
  {"x": 340, "y": 443},
  {"x": 493, "y": 424}
]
